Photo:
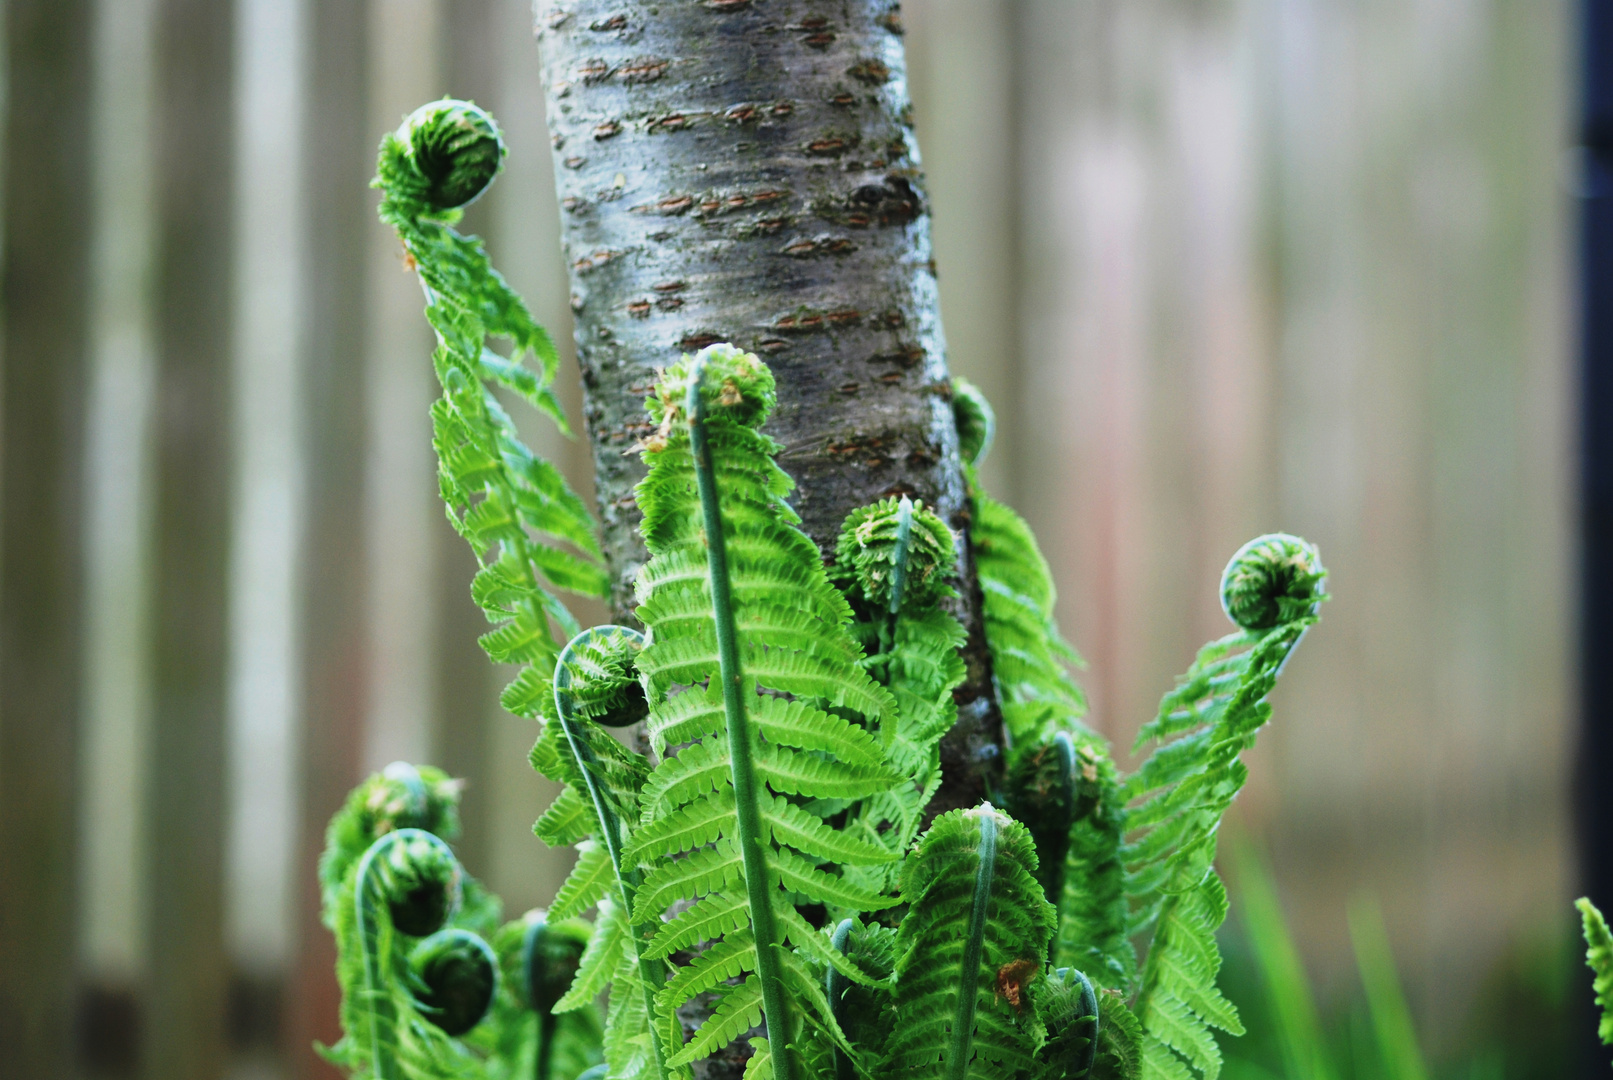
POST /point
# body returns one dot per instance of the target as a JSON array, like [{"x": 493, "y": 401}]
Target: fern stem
[
  {"x": 371, "y": 893},
  {"x": 651, "y": 972},
  {"x": 963, "y": 1022},
  {"x": 904, "y": 539},
  {"x": 835, "y": 986},
  {"x": 747, "y": 796}
]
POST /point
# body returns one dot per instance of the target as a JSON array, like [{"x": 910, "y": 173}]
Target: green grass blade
[
  {"x": 1288, "y": 991},
  {"x": 1391, "y": 1018}
]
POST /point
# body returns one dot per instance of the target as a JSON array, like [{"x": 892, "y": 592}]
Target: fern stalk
[
  {"x": 651, "y": 972},
  {"x": 963, "y": 1024},
  {"x": 747, "y": 791}
]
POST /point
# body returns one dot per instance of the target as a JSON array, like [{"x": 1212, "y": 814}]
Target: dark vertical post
[
  {"x": 339, "y": 158},
  {"x": 185, "y": 1039},
  {"x": 42, "y": 374},
  {"x": 1594, "y": 794}
]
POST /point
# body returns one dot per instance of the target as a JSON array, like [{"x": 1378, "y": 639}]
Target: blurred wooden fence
[{"x": 1224, "y": 266}]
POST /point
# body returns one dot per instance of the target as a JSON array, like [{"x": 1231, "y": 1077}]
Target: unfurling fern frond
[
  {"x": 591, "y": 681},
  {"x": 1068, "y": 1007},
  {"x": 1599, "y": 957},
  {"x": 760, "y": 703},
  {"x": 969, "y": 950},
  {"x": 401, "y": 796},
  {"x": 400, "y": 1009},
  {"x": 892, "y": 562},
  {"x": 538, "y": 960},
  {"x": 1031, "y": 664},
  {"x": 513, "y": 507},
  {"x": 1271, "y": 589}
]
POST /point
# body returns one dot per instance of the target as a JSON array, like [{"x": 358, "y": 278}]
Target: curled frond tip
[{"x": 1273, "y": 579}]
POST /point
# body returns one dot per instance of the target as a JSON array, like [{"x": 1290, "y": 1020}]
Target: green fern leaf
[
  {"x": 802, "y": 720},
  {"x": 590, "y": 879},
  {"x": 892, "y": 562},
  {"x": 1599, "y": 957},
  {"x": 1030, "y": 662},
  {"x": 513, "y": 508},
  {"x": 974, "y": 939},
  {"x": 1271, "y": 589}
]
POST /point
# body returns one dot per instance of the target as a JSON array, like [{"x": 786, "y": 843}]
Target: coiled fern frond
[
  {"x": 1271, "y": 589},
  {"x": 892, "y": 562},
  {"x": 405, "y": 887},
  {"x": 972, "y": 944},
  {"x": 531, "y": 533},
  {"x": 759, "y": 701}
]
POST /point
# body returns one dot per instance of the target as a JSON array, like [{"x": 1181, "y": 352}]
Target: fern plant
[
  {"x": 763, "y": 868},
  {"x": 432, "y": 984},
  {"x": 1599, "y": 958}
]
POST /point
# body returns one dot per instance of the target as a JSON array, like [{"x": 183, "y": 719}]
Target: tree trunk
[{"x": 745, "y": 171}]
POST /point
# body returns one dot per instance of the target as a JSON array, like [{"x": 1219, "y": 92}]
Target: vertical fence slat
[
  {"x": 185, "y": 1039},
  {"x": 44, "y": 292},
  {"x": 338, "y": 160}
]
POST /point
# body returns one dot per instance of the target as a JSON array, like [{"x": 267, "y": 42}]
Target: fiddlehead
[
  {"x": 1599, "y": 958},
  {"x": 514, "y": 508},
  {"x": 402, "y": 796},
  {"x": 453, "y": 975},
  {"x": 748, "y": 656},
  {"x": 892, "y": 562},
  {"x": 969, "y": 949},
  {"x": 1045, "y": 792},
  {"x": 406, "y": 884},
  {"x": 589, "y": 680},
  {"x": 1068, "y": 1007},
  {"x": 1272, "y": 588},
  {"x": 550, "y": 956}
]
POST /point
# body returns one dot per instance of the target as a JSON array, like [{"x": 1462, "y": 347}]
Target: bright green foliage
[
  {"x": 499, "y": 496},
  {"x": 1599, "y": 955},
  {"x": 538, "y": 961},
  {"x": 405, "y": 886},
  {"x": 972, "y": 944},
  {"x": 1031, "y": 664},
  {"x": 419, "y": 978},
  {"x": 792, "y": 640},
  {"x": 591, "y": 678},
  {"x": 794, "y": 712},
  {"x": 892, "y": 561},
  {"x": 1184, "y": 788},
  {"x": 1093, "y": 910},
  {"x": 1068, "y": 1007}
]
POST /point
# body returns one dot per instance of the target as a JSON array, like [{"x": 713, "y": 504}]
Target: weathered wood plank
[
  {"x": 193, "y": 299},
  {"x": 44, "y": 291}
]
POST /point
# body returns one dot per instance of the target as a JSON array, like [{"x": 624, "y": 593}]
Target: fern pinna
[{"x": 792, "y": 711}]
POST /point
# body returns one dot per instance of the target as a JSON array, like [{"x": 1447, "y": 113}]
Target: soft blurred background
[{"x": 1223, "y": 266}]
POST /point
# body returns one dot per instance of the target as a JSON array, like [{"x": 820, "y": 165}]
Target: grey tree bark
[{"x": 746, "y": 171}]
